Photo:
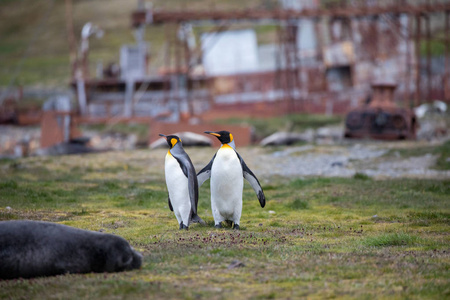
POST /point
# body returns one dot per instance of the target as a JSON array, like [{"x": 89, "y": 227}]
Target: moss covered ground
[{"x": 316, "y": 238}]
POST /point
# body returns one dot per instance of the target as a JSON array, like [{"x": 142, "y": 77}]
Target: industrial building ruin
[
  {"x": 371, "y": 60},
  {"x": 325, "y": 61}
]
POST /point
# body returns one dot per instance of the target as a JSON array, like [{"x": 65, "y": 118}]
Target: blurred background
[{"x": 85, "y": 75}]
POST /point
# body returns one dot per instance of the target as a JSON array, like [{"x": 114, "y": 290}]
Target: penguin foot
[
  {"x": 197, "y": 219},
  {"x": 218, "y": 225},
  {"x": 182, "y": 226},
  {"x": 236, "y": 227}
]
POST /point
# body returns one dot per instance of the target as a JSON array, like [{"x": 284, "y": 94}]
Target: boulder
[
  {"x": 189, "y": 139},
  {"x": 284, "y": 138}
]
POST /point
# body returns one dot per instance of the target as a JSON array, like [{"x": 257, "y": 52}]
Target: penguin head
[
  {"x": 172, "y": 140},
  {"x": 225, "y": 137}
]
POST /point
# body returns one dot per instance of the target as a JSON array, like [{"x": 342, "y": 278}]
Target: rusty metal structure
[
  {"x": 355, "y": 43},
  {"x": 381, "y": 118}
]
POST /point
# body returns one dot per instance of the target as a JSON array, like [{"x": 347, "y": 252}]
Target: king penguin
[
  {"x": 181, "y": 183},
  {"x": 226, "y": 170}
]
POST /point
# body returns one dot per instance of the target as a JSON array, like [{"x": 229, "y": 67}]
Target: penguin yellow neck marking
[
  {"x": 168, "y": 153},
  {"x": 173, "y": 142},
  {"x": 226, "y": 146}
]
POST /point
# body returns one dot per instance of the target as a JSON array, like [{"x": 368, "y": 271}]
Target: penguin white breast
[
  {"x": 226, "y": 181},
  {"x": 177, "y": 185}
]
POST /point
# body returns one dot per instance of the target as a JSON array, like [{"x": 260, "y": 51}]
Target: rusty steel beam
[
  {"x": 446, "y": 55},
  {"x": 140, "y": 17},
  {"x": 428, "y": 55},
  {"x": 417, "y": 99}
]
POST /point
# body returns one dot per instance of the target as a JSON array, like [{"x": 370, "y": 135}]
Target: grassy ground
[{"x": 316, "y": 237}]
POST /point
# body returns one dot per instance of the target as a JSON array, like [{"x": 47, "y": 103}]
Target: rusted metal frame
[
  {"x": 330, "y": 29},
  {"x": 408, "y": 98},
  {"x": 348, "y": 24},
  {"x": 376, "y": 37},
  {"x": 446, "y": 55},
  {"x": 298, "y": 68},
  {"x": 319, "y": 36},
  {"x": 163, "y": 16},
  {"x": 417, "y": 98},
  {"x": 220, "y": 28},
  {"x": 168, "y": 61},
  {"x": 287, "y": 55},
  {"x": 277, "y": 80},
  {"x": 177, "y": 72},
  {"x": 187, "y": 68},
  {"x": 428, "y": 51},
  {"x": 71, "y": 36},
  {"x": 294, "y": 69}
]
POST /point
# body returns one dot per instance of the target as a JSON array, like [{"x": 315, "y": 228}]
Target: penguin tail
[{"x": 197, "y": 219}]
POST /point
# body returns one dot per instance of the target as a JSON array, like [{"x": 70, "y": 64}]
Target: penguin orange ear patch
[
  {"x": 231, "y": 137},
  {"x": 173, "y": 142}
]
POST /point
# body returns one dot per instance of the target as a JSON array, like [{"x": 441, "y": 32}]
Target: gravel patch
[{"x": 343, "y": 161}]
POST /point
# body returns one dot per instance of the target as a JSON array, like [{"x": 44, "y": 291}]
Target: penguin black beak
[
  {"x": 212, "y": 133},
  {"x": 162, "y": 135}
]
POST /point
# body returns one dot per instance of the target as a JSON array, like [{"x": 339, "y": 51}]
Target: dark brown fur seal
[{"x": 33, "y": 249}]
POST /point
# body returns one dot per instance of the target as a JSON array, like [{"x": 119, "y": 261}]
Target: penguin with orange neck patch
[
  {"x": 181, "y": 183},
  {"x": 227, "y": 170}
]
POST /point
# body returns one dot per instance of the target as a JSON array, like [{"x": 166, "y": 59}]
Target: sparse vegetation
[
  {"x": 316, "y": 237},
  {"x": 361, "y": 176},
  {"x": 443, "y": 161},
  {"x": 442, "y": 152}
]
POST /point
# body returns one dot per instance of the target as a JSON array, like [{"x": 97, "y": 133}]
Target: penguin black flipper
[
  {"x": 251, "y": 178},
  {"x": 205, "y": 173},
  {"x": 189, "y": 171},
  {"x": 170, "y": 204}
]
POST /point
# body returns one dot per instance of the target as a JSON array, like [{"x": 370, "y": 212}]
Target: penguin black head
[
  {"x": 224, "y": 137},
  {"x": 172, "y": 140}
]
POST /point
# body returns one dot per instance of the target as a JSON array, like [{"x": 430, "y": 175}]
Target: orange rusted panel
[{"x": 52, "y": 128}]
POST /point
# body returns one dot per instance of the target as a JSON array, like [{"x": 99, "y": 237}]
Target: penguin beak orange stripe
[{"x": 212, "y": 133}]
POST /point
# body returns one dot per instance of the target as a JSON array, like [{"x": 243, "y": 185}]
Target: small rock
[
  {"x": 236, "y": 264},
  {"x": 283, "y": 138},
  {"x": 375, "y": 216},
  {"x": 271, "y": 212},
  {"x": 8, "y": 208},
  {"x": 337, "y": 164}
]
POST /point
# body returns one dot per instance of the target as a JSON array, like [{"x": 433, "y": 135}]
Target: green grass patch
[
  {"x": 363, "y": 238},
  {"x": 299, "y": 204},
  {"x": 361, "y": 176},
  {"x": 391, "y": 239},
  {"x": 443, "y": 161}
]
